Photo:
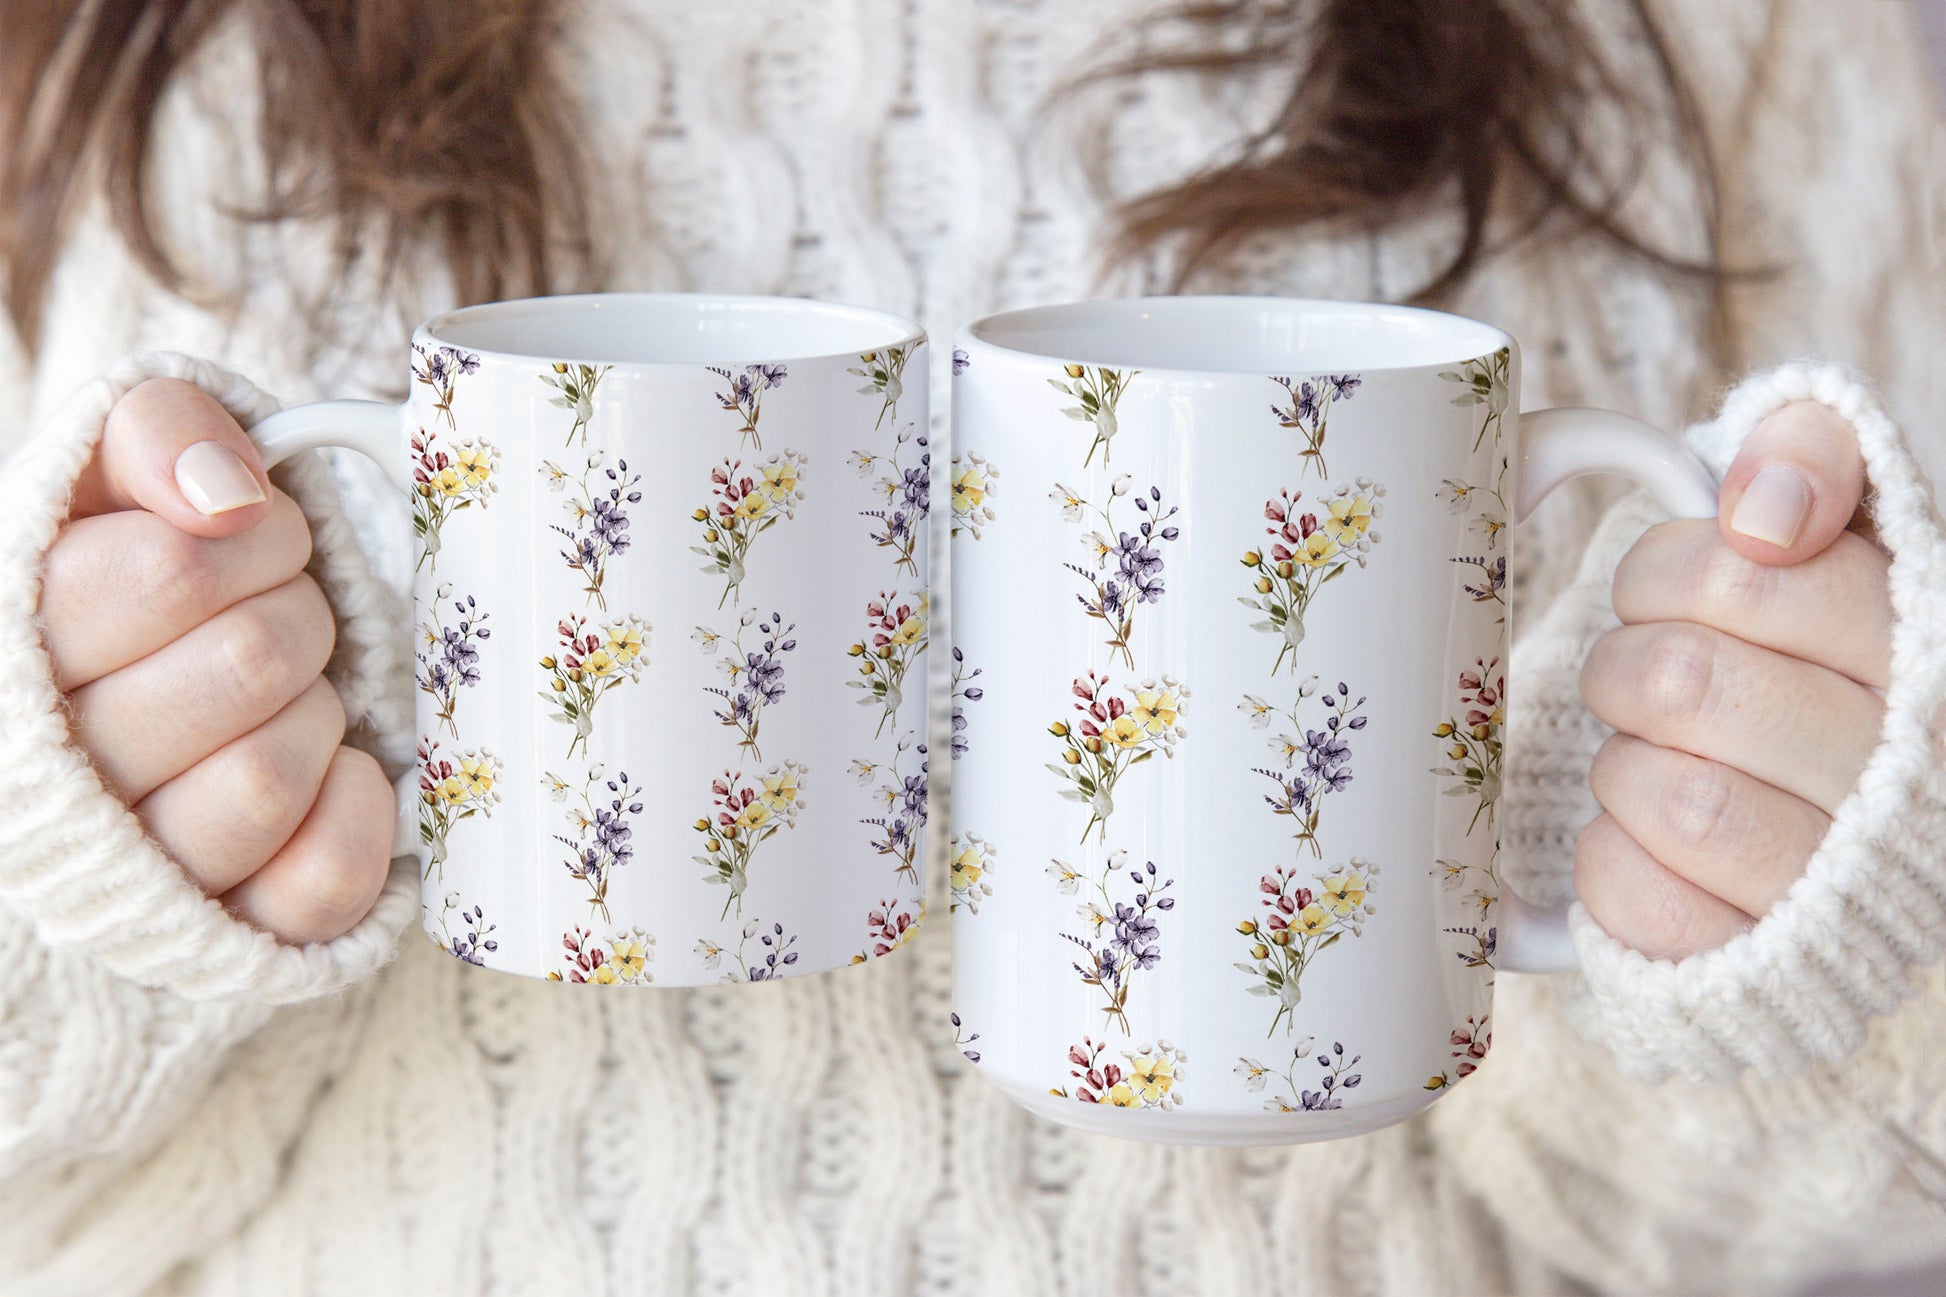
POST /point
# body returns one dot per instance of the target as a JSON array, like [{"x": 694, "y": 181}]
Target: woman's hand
[
  {"x": 1744, "y": 688},
  {"x": 190, "y": 645}
]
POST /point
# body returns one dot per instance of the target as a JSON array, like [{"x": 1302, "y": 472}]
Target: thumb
[
  {"x": 1795, "y": 485},
  {"x": 171, "y": 449}
]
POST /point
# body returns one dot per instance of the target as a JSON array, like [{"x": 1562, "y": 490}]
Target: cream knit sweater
[{"x": 187, "y": 1106}]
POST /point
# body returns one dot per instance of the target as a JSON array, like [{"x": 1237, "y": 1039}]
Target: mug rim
[
  {"x": 894, "y": 330},
  {"x": 1083, "y": 318}
]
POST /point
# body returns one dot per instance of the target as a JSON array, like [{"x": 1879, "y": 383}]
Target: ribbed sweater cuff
[
  {"x": 73, "y": 860},
  {"x": 1802, "y": 985}
]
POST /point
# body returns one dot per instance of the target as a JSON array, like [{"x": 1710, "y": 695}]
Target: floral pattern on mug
[
  {"x": 745, "y": 814},
  {"x": 452, "y": 789},
  {"x": 588, "y": 664},
  {"x": 889, "y": 926},
  {"x": 475, "y": 942},
  {"x": 896, "y": 832},
  {"x": 1472, "y": 740},
  {"x": 964, "y": 691},
  {"x": 1131, "y": 559},
  {"x": 1307, "y": 553},
  {"x": 744, "y": 504},
  {"x": 1333, "y": 1079},
  {"x": 1120, "y": 938},
  {"x": 962, "y": 1038},
  {"x": 440, "y": 368},
  {"x": 969, "y": 867},
  {"x": 895, "y": 636},
  {"x": 1114, "y": 735},
  {"x": 603, "y": 837},
  {"x": 1096, "y": 391},
  {"x": 907, "y": 488},
  {"x": 598, "y": 515},
  {"x": 1300, "y": 924},
  {"x": 1314, "y": 765},
  {"x": 450, "y": 660},
  {"x": 1486, "y": 380},
  {"x": 1147, "y": 1077},
  {"x": 576, "y": 385},
  {"x": 756, "y": 674},
  {"x": 623, "y": 960},
  {"x": 1309, "y": 407},
  {"x": 444, "y": 481},
  {"x": 974, "y": 482},
  {"x": 743, "y": 394},
  {"x": 884, "y": 375},
  {"x": 770, "y": 960},
  {"x": 1490, "y": 583},
  {"x": 1470, "y": 1044}
]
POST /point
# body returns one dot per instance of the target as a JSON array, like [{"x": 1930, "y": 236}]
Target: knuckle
[
  {"x": 1679, "y": 674},
  {"x": 321, "y": 627},
  {"x": 1730, "y": 589},
  {"x": 260, "y": 665},
  {"x": 1695, "y": 804},
  {"x": 175, "y": 577},
  {"x": 260, "y": 780},
  {"x": 346, "y": 873}
]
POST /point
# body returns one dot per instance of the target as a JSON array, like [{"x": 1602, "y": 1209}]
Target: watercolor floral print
[
  {"x": 744, "y": 504},
  {"x": 475, "y": 940},
  {"x": 1333, "y": 1077},
  {"x": 1126, "y": 565},
  {"x": 1121, "y": 935},
  {"x": 1487, "y": 580},
  {"x": 969, "y": 866},
  {"x": 452, "y": 789},
  {"x": 622, "y": 960},
  {"x": 974, "y": 481},
  {"x": 1486, "y": 382},
  {"x": 1472, "y": 739},
  {"x": 587, "y": 665},
  {"x": 769, "y": 960},
  {"x": 756, "y": 673},
  {"x": 598, "y": 517},
  {"x": 1148, "y": 1076},
  {"x": 884, "y": 375},
  {"x": 1470, "y": 1044},
  {"x": 889, "y": 926},
  {"x": 440, "y": 368},
  {"x": 896, "y": 833},
  {"x": 1096, "y": 391},
  {"x": 600, "y": 816},
  {"x": 575, "y": 387},
  {"x": 1308, "y": 406},
  {"x": 962, "y": 1038},
  {"x": 907, "y": 488},
  {"x": 895, "y": 636},
  {"x": 1115, "y": 733},
  {"x": 1307, "y": 552},
  {"x": 446, "y": 480},
  {"x": 743, "y": 395},
  {"x": 744, "y": 814},
  {"x": 1296, "y": 923},
  {"x": 964, "y": 692},
  {"x": 1314, "y": 762},
  {"x": 450, "y": 659}
]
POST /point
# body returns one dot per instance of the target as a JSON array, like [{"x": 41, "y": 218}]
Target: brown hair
[
  {"x": 455, "y": 129},
  {"x": 443, "y": 122}
]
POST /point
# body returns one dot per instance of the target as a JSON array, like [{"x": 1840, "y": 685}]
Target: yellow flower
[
  {"x": 629, "y": 957},
  {"x": 752, "y": 816},
  {"x": 1345, "y": 892},
  {"x": 477, "y": 775},
  {"x": 1155, "y": 710},
  {"x": 780, "y": 479},
  {"x": 969, "y": 488},
  {"x": 1312, "y": 920},
  {"x": 1125, "y": 731},
  {"x": 1073, "y": 371},
  {"x": 625, "y": 642},
  {"x": 780, "y": 790},
  {"x": 605, "y": 975},
  {"x": 910, "y": 629},
  {"x": 599, "y": 663},
  {"x": 968, "y": 865},
  {"x": 449, "y": 482},
  {"x": 555, "y": 977},
  {"x": 1152, "y": 1077},
  {"x": 475, "y": 464},
  {"x": 1350, "y": 516},
  {"x": 1122, "y": 1097},
  {"x": 1317, "y": 549},
  {"x": 451, "y": 791},
  {"x": 752, "y": 506}
]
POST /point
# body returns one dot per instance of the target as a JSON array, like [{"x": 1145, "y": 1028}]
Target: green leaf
[{"x": 1140, "y": 757}]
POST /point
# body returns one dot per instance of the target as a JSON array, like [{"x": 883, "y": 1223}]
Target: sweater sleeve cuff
[
  {"x": 74, "y": 860},
  {"x": 1802, "y": 986}
]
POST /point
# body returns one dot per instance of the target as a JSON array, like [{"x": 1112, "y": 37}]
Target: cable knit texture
[{"x": 436, "y": 1129}]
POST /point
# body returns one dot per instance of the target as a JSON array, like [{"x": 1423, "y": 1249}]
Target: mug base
[{"x": 1218, "y": 1130}]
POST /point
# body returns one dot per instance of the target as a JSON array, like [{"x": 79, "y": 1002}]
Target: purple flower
[{"x": 1343, "y": 385}]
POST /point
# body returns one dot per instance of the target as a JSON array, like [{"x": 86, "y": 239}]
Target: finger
[
  {"x": 1737, "y": 838},
  {"x": 150, "y": 721},
  {"x": 230, "y": 812},
  {"x": 1796, "y": 726},
  {"x": 1642, "y": 904},
  {"x": 170, "y": 448},
  {"x": 1794, "y": 486},
  {"x": 332, "y": 869},
  {"x": 118, "y": 587},
  {"x": 1834, "y": 608}
]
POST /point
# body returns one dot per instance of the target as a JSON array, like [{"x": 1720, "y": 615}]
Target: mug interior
[
  {"x": 1239, "y": 335},
  {"x": 668, "y": 329}
]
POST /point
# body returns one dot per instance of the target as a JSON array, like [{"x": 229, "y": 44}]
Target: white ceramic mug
[
  {"x": 672, "y": 618},
  {"x": 1231, "y": 576}
]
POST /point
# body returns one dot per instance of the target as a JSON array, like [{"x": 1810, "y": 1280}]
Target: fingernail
[
  {"x": 1773, "y": 507},
  {"x": 212, "y": 478}
]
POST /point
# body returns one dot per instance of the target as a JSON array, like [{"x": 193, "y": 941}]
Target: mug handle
[
  {"x": 1556, "y": 445},
  {"x": 377, "y": 431}
]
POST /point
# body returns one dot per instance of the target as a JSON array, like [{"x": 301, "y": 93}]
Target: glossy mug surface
[
  {"x": 1230, "y": 615},
  {"x": 672, "y": 626}
]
